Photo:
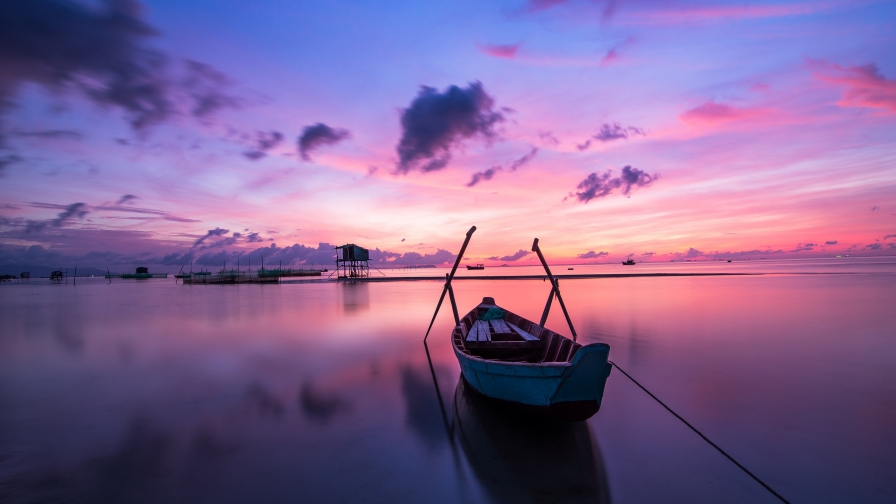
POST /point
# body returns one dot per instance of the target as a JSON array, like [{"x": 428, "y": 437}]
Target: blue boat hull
[{"x": 569, "y": 390}]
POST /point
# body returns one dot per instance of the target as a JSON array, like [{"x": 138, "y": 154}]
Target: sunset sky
[{"x": 163, "y": 131}]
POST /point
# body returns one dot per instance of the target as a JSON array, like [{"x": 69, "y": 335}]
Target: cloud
[
  {"x": 599, "y": 186},
  {"x": 69, "y": 212},
  {"x": 436, "y": 122},
  {"x": 831, "y": 242},
  {"x": 864, "y": 86},
  {"x": 101, "y": 50},
  {"x": 648, "y": 254},
  {"x": 512, "y": 167},
  {"x": 873, "y": 246},
  {"x": 212, "y": 232},
  {"x": 264, "y": 141},
  {"x": 519, "y": 254},
  {"x": 804, "y": 247},
  {"x": 205, "y": 84},
  {"x": 507, "y": 51},
  {"x": 693, "y": 253},
  {"x": 875, "y": 208},
  {"x": 609, "y": 133},
  {"x": 548, "y": 138},
  {"x": 887, "y": 237},
  {"x": 593, "y": 255},
  {"x": 714, "y": 113},
  {"x": 6, "y": 161},
  {"x": 52, "y": 134},
  {"x": 483, "y": 175},
  {"x": 127, "y": 198},
  {"x": 318, "y": 135}
]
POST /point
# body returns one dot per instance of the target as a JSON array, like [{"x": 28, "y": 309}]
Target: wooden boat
[
  {"x": 523, "y": 364},
  {"x": 509, "y": 358},
  {"x": 628, "y": 262},
  {"x": 475, "y": 266}
]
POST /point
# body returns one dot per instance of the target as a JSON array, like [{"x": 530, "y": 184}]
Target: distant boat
[
  {"x": 475, "y": 266},
  {"x": 570, "y": 269},
  {"x": 628, "y": 262},
  {"x": 729, "y": 260},
  {"x": 182, "y": 275},
  {"x": 507, "y": 357}
]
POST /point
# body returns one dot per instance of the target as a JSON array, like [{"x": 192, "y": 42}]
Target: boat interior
[{"x": 490, "y": 332}]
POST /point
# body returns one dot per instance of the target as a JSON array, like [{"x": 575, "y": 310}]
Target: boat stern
[{"x": 586, "y": 376}]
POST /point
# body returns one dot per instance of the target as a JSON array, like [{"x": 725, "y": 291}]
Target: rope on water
[{"x": 729, "y": 457}]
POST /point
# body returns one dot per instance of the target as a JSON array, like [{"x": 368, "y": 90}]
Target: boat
[
  {"x": 475, "y": 266},
  {"x": 523, "y": 364},
  {"x": 512, "y": 359},
  {"x": 628, "y": 262}
]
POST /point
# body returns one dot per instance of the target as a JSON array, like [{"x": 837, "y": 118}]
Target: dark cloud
[
  {"x": 593, "y": 255},
  {"x": 887, "y": 237},
  {"x": 127, "y": 198},
  {"x": 648, "y": 254},
  {"x": 831, "y": 242},
  {"x": 264, "y": 141},
  {"x": 519, "y": 254},
  {"x": 205, "y": 86},
  {"x": 512, "y": 167},
  {"x": 69, "y": 212},
  {"x": 6, "y": 161},
  {"x": 523, "y": 160},
  {"x": 609, "y": 133},
  {"x": 483, "y": 175},
  {"x": 599, "y": 186},
  {"x": 212, "y": 232},
  {"x": 804, "y": 247},
  {"x": 873, "y": 246},
  {"x": 875, "y": 208},
  {"x": 436, "y": 122},
  {"x": 101, "y": 50},
  {"x": 548, "y": 138},
  {"x": 53, "y": 134},
  {"x": 693, "y": 253},
  {"x": 318, "y": 135}
]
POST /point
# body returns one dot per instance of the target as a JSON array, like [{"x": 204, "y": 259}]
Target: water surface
[{"x": 147, "y": 391}]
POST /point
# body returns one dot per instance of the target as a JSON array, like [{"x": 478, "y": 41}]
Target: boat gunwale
[{"x": 559, "y": 366}]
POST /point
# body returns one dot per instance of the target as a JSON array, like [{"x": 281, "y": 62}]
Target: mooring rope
[{"x": 729, "y": 457}]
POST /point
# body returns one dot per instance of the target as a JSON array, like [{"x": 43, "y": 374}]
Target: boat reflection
[{"x": 523, "y": 459}]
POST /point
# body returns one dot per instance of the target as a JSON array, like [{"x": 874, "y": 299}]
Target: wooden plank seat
[
  {"x": 526, "y": 336},
  {"x": 500, "y": 327},
  {"x": 479, "y": 332}
]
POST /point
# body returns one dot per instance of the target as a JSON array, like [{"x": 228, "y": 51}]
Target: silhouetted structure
[{"x": 352, "y": 261}]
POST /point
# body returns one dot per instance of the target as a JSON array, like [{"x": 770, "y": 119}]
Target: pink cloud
[
  {"x": 715, "y": 113},
  {"x": 864, "y": 86},
  {"x": 717, "y": 13},
  {"x": 507, "y": 51}
]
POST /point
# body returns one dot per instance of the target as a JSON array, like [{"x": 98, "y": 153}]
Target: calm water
[{"x": 322, "y": 392}]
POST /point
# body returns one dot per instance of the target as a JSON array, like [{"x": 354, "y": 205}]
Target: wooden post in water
[{"x": 555, "y": 289}]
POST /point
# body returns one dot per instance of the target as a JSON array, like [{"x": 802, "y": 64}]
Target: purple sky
[{"x": 161, "y": 132}]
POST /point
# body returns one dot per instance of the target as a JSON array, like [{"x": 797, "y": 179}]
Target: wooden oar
[
  {"x": 447, "y": 288},
  {"x": 555, "y": 289}
]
